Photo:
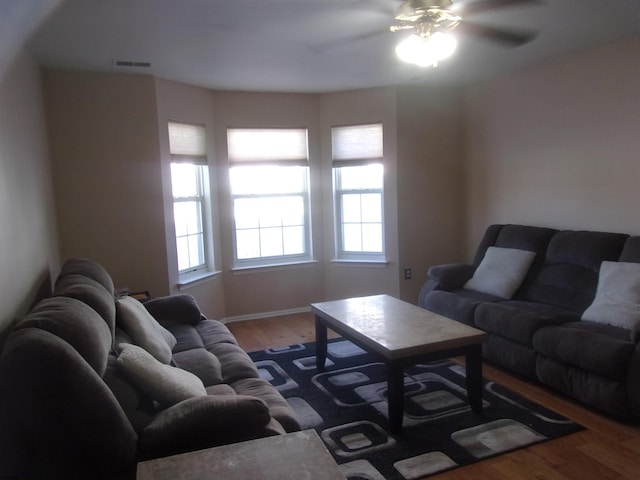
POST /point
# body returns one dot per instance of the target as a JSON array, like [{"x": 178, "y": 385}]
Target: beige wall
[
  {"x": 28, "y": 237},
  {"x": 430, "y": 196},
  {"x": 107, "y": 174},
  {"x": 557, "y": 145},
  {"x": 346, "y": 279}
]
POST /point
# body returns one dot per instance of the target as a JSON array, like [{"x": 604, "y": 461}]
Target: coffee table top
[
  {"x": 394, "y": 328},
  {"x": 294, "y": 455}
]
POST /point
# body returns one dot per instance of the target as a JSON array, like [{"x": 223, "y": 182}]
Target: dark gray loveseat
[
  {"x": 561, "y": 324},
  {"x": 91, "y": 383}
]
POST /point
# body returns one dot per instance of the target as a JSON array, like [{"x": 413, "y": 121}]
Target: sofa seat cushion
[
  {"x": 458, "y": 305},
  {"x": 204, "y": 334},
  {"x": 205, "y": 365},
  {"x": 220, "y": 389},
  {"x": 213, "y": 332},
  {"x": 236, "y": 363},
  {"x": 601, "y": 349},
  {"x": 187, "y": 338},
  {"x": 518, "y": 321},
  {"x": 278, "y": 406}
]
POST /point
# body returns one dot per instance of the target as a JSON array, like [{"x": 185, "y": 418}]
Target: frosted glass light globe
[{"x": 425, "y": 51}]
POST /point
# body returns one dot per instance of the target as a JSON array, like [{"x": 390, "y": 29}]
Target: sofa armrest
[
  {"x": 451, "y": 276},
  {"x": 633, "y": 382},
  {"x": 205, "y": 421},
  {"x": 174, "y": 310}
]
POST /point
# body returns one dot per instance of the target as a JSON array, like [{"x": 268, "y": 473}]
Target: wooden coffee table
[{"x": 401, "y": 334}]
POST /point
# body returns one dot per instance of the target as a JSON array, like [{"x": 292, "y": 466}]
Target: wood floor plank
[
  {"x": 607, "y": 449},
  {"x": 616, "y": 457}
]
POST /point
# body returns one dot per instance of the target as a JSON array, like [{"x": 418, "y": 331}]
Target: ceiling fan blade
[
  {"x": 509, "y": 38},
  {"x": 339, "y": 42},
  {"x": 480, "y": 6}
]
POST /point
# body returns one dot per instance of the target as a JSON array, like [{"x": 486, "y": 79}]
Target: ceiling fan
[
  {"x": 430, "y": 24},
  {"x": 445, "y": 15}
]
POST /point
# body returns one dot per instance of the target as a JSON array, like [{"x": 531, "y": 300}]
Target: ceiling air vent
[{"x": 128, "y": 63}]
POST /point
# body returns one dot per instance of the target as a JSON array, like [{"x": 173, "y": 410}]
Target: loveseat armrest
[
  {"x": 206, "y": 421},
  {"x": 177, "y": 309},
  {"x": 451, "y": 276}
]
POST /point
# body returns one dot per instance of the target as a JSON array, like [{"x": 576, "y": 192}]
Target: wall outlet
[{"x": 407, "y": 274}]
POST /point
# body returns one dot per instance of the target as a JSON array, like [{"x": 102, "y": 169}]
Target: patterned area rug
[{"x": 346, "y": 405}]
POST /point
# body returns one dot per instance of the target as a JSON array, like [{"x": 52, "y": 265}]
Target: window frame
[
  {"x": 275, "y": 162},
  {"x": 199, "y": 160},
  {"x": 373, "y": 157}
]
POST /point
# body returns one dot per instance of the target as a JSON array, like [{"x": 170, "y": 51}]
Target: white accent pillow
[
  {"x": 617, "y": 300},
  {"x": 144, "y": 330},
  {"x": 501, "y": 271},
  {"x": 164, "y": 383}
]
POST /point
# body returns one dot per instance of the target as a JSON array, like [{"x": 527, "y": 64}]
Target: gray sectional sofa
[
  {"x": 567, "y": 314},
  {"x": 93, "y": 383}
]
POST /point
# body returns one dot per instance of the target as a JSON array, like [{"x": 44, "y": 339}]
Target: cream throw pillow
[
  {"x": 617, "y": 300},
  {"x": 144, "y": 330},
  {"x": 501, "y": 271},
  {"x": 164, "y": 383}
]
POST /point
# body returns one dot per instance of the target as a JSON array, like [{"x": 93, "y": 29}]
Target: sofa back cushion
[
  {"x": 87, "y": 268},
  {"x": 568, "y": 278},
  {"x": 631, "y": 250},
  {"x": 90, "y": 292},
  {"x": 520, "y": 237},
  {"x": 75, "y": 323}
]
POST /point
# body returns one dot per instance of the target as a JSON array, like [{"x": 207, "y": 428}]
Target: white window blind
[
  {"x": 356, "y": 144},
  {"x": 187, "y": 143},
  {"x": 284, "y": 146}
]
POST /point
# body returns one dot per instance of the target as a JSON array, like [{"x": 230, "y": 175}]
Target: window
[
  {"x": 190, "y": 188},
  {"x": 358, "y": 190},
  {"x": 269, "y": 178}
]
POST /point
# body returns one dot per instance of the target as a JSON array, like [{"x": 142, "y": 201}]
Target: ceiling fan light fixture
[{"x": 426, "y": 50}]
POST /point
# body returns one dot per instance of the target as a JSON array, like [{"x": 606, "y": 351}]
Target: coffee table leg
[
  {"x": 474, "y": 377},
  {"x": 321, "y": 344},
  {"x": 395, "y": 393}
]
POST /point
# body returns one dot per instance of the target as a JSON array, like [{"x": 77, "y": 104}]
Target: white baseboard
[{"x": 258, "y": 316}]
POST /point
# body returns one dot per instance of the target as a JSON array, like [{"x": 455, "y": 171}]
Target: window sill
[
  {"x": 195, "y": 279},
  {"x": 274, "y": 266},
  {"x": 361, "y": 263}
]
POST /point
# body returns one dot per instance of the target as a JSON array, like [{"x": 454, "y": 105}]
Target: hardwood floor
[{"x": 606, "y": 449}]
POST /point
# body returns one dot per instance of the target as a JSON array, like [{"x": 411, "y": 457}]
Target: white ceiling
[{"x": 298, "y": 45}]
